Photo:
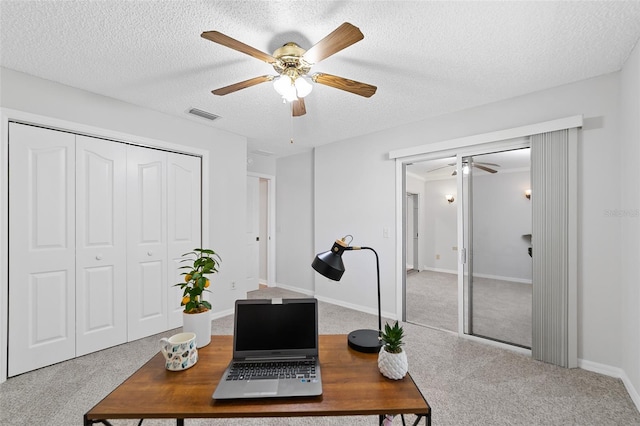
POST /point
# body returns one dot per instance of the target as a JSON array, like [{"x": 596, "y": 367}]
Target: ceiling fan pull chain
[{"x": 291, "y": 124}]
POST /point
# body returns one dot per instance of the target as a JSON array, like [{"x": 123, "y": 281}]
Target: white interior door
[
  {"x": 253, "y": 234},
  {"x": 146, "y": 242},
  {"x": 184, "y": 215},
  {"x": 101, "y": 280},
  {"x": 42, "y": 247}
]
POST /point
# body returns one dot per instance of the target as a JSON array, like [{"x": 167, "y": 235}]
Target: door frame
[
  {"x": 271, "y": 225},
  {"x": 469, "y": 145},
  {"x": 415, "y": 227},
  {"x": 9, "y": 114}
]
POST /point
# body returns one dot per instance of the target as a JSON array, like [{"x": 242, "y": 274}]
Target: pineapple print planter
[{"x": 393, "y": 366}]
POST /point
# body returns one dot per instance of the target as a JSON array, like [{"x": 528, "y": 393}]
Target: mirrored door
[{"x": 497, "y": 278}]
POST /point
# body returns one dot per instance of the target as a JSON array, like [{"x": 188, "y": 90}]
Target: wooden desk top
[{"x": 352, "y": 385}]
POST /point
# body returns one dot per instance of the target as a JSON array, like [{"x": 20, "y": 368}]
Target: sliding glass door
[{"x": 497, "y": 280}]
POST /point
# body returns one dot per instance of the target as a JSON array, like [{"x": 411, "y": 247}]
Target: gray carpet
[
  {"x": 502, "y": 309},
  {"x": 466, "y": 383}
]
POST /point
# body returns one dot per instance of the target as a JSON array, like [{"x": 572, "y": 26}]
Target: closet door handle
[
  {"x": 99, "y": 257},
  {"x": 149, "y": 253}
]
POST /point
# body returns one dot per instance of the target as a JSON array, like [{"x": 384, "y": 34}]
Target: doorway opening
[
  {"x": 431, "y": 274},
  {"x": 483, "y": 198},
  {"x": 260, "y": 231}
]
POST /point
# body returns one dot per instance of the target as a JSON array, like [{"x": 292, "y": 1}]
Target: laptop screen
[{"x": 264, "y": 328}]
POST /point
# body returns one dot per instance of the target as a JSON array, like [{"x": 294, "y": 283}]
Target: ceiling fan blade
[
  {"x": 225, "y": 40},
  {"x": 342, "y": 37},
  {"x": 242, "y": 85},
  {"x": 342, "y": 83},
  {"x": 486, "y": 169},
  {"x": 486, "y": 164},
  {"x": 298, "y": 108},
  {"x": 440, "y": 168}
]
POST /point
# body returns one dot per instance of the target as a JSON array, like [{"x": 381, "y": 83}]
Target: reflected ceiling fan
[
  {"x": 293, "y": 63},
  {"x": 487, "y": 167}
]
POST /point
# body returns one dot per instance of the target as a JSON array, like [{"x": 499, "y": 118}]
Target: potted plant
[
  {"x": 196, "y": 317},
  {"x": 392, "y": 359}
]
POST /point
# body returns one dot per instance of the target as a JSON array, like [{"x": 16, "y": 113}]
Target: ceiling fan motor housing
[{"x": 290, "y": 61}]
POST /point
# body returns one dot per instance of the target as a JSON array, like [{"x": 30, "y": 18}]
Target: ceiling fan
[
  {"x": 480, "y": 165},
  {"x": 293, "y": 64}
]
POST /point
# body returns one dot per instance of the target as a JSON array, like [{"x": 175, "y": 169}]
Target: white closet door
[
  {"x": 184, "y": 213},
  {"x": 42, "y": 247},
  {"x": 146, "y": 242},
  {"x": 101, "y": 280}
]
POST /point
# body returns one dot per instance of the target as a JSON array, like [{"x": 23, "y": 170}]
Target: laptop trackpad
[{"x": 263, "y": 388}]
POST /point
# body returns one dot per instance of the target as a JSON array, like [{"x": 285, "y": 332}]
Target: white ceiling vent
[{"x": 203, "y": 114}]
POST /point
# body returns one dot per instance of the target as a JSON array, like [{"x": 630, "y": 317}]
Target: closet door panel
[
  {"x": 184, "y": 211},
  {"x": 42, "y": 247},
  {"x": 101, "y": 281},
  {"x": 146, "y": 242}
]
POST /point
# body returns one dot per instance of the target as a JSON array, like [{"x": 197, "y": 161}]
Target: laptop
[{"x": 275, "y": 350}]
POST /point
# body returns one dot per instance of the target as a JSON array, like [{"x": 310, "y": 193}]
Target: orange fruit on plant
[
  {"x": 187, "y": 278},
  {"x": 186, "y": 299},
  {"x": 206, "y": 283}
]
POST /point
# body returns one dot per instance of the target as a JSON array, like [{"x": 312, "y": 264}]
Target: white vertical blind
[{"x": 554, "y": 199}]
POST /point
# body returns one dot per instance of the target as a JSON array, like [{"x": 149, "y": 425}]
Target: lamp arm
[{"x": 378, "y": 276}]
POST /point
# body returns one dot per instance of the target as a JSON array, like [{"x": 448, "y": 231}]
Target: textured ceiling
[{"x": 426, "y": 58}]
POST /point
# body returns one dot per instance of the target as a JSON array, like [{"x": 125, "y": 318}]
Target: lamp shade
[{"x": 329, "y": 263}]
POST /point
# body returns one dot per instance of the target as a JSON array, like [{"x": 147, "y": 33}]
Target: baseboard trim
[
  {"x": 493, "y": 277},
  {"x": 222, "y": 313},
  {"x": 446, "y": 271},
  {"x": 359, "y": 308},
  {"x": 337, "y": 302},
  {"x": 616, "y": 372},
  {"x": 304, "y": 291},
  {"x": 500, "y": 278}
]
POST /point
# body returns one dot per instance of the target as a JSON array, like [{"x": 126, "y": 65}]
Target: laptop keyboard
[{"x": 302, "y": 369}]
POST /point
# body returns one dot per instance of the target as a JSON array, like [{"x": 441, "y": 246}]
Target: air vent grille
[{"x": 203, "y": 114}]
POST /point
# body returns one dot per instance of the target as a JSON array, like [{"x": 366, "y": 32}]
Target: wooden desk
[{"x": 352, "y": 386}]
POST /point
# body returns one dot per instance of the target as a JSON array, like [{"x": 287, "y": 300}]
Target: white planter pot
[
  {"x": 393, "y": 366},
  {"x": 200, "y": 324}
]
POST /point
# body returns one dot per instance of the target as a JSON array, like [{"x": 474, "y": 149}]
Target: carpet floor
[
  {"x": 501, "y": 309},
  {"x": 465, "y": 383}
]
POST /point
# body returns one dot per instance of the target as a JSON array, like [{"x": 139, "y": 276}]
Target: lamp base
[{"x": 367, "y": 341}]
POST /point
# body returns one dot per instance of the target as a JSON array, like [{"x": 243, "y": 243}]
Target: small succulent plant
[{"x": 392, "y": 338}]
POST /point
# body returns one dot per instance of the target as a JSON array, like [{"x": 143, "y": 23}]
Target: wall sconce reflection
[
  {"x": 527, "y": 194},
  {"x": 449, "y": 198}
]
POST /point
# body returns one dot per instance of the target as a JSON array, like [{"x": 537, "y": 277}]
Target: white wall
[
  {"x": 629, "y": 217},
  {"x": 261, "y": 164},
  {"x": 294, "y": 222},
  {"x": 227, "y": 166},
  {"x": 441, "y": 232},
  {"x": 501, "y": 216},
  {"x": 355, "y": 194}
]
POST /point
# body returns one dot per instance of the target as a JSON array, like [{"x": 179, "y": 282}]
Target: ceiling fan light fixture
[
  {"x": 282, "y": 84},
  {"x": 285, "y": 88},
  {"x": 303, "y": 86}
]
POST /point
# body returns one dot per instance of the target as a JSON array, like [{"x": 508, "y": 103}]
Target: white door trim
[
  {"x": 271, "y": 218},
  {"x": 7, "y": 115}
]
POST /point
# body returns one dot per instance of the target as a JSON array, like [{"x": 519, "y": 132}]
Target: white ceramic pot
[
  {"x": 200, "y": 324},
  {"x": 393, "y": 366}
]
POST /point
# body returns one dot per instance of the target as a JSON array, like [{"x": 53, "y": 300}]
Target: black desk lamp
[{"x": 330, "y": 265}]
